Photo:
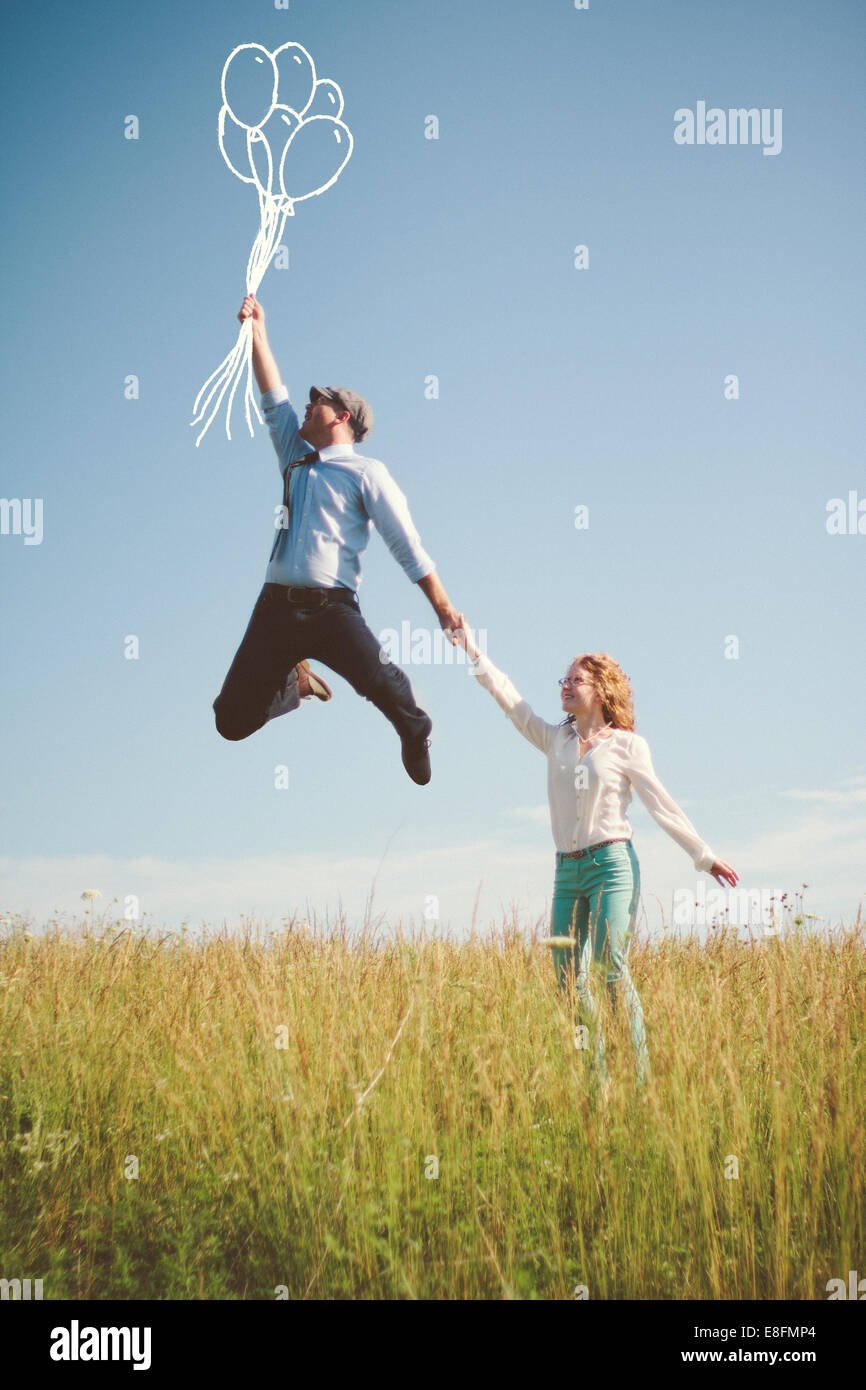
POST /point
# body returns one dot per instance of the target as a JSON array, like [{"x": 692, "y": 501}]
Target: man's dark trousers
[{"x": 280, "y": 634}]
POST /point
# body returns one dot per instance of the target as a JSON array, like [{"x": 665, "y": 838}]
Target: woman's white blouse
[{"x": 589, "y": 796}]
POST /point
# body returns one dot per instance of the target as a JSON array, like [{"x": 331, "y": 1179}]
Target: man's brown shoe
[{"x": 311, "y": 684}]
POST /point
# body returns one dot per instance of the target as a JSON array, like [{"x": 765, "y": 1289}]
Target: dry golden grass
[{"x": 412, "y": 1119}]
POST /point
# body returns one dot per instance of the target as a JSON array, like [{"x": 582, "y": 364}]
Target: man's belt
[
  {"x": 579, "y": 853},
  {"x": 309, "y": 597}
]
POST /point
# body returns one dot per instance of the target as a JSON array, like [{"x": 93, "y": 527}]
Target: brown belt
[{"x": 579, "y": 853}]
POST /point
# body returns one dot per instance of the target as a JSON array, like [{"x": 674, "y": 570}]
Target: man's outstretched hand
[
  {"x": 252, "y": 309},
  {"x": 449, "y": 619},
  {"x": 452, "y": 623}
]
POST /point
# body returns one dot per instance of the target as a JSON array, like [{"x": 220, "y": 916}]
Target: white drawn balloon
[
  {"x": 267, "y": 145},
  {"x": 327, "y": 100},
  {"x": 266, "y": 95},
  {"x": 319, "y": 149},
  {"x": 297, "y": 76},
  {"x": 233, "y": 146},
  {"x": 261, "y": 161},
  {"x": 249, "y": 84}
]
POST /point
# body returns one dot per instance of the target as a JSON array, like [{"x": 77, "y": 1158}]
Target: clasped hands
[{"x": 458, "y": 631}]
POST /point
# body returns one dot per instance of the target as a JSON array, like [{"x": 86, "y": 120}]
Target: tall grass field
[{"x": 304, "y": 1115}]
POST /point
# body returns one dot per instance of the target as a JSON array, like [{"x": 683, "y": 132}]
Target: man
[{"x": 309, "y": 606}]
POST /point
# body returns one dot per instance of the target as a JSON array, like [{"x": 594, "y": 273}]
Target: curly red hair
[{"x": 611, "y": 685}]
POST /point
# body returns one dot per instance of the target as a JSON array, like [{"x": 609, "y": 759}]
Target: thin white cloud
[
  {"x": 537, "y": 814},
  {"x": 832, "y": 796}
]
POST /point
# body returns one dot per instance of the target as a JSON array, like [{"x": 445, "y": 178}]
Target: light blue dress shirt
[{"x": 331, "y": 507}]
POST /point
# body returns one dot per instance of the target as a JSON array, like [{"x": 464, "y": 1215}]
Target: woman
[{"x": 594, "y": 761}]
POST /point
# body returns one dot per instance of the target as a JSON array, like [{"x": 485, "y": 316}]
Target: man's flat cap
[{"x": 360, "y": 413}]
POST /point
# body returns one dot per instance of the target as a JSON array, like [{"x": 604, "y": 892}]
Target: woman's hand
[
  {"x": 463, "y": 634},
  {"x": 723, "y": 873}
]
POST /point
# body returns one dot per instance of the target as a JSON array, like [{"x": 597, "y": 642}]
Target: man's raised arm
[{"x": 264, "y": 363}]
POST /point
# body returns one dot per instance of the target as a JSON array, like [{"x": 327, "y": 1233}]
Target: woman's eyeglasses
[{"x": 566, "y": 680}]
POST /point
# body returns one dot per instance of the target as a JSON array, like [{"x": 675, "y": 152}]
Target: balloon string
[
  {"x": 246, "y": 333},
  {"x": 272, "y": 217},
  {"x": 275, "y": 219},
  {"x": 224, "y": 366},
  {"x": 232, "y": 363}
]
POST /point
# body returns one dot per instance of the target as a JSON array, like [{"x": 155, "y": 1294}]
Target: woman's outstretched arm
[
  {"x": 525, "y": 720},
  {"x": 666, "y": 813}
]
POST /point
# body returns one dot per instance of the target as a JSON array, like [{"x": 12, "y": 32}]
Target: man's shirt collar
[{"x": 337, "y": 451}]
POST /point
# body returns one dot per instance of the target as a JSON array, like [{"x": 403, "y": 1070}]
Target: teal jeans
[{"x": 595, "y": 900}]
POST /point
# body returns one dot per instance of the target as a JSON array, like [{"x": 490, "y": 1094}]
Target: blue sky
[{"x": 558, "y": 387}]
